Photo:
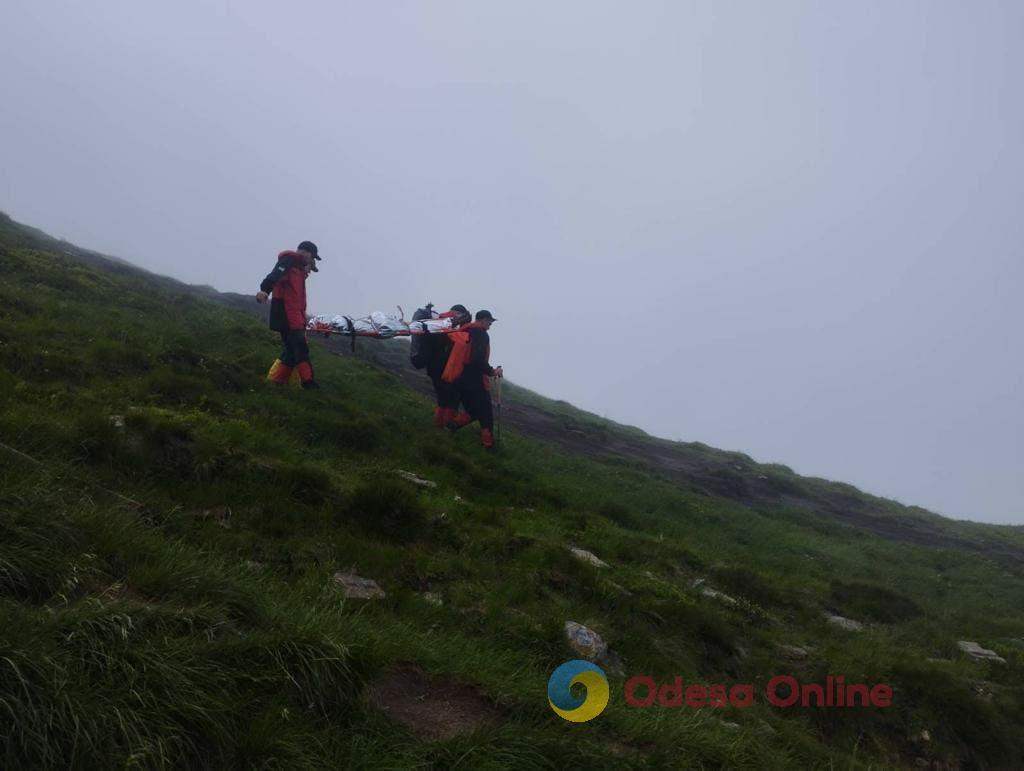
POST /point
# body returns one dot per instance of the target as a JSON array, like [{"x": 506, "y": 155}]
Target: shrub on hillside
[
  {"x": 620, "y": 515},
  {"x": 304, "y": 482},
  {"x": 359, "y": 434},
  {"x": 170, "y": 387},
  {"x": 117, "y": 357},
  {"x": 96, "y": 438},
  {"x": 785, "y": 483},
  {"x": 438, "y": 455},
  {"x": 983, "y": 734},
  {"x": 160, "y": 441},
  {"x": 747, "y": 583},
  {"x": 876, "y": 603},
  {"x": 387, "y": 508}
]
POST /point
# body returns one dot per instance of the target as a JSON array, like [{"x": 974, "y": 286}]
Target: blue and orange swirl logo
[{"x": 571, "y": 707}]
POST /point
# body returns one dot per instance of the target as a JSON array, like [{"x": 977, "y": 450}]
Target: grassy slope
[{"x": 196, "y": 621}]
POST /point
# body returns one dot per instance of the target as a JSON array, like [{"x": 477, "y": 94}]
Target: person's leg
[
  {"x": 450, "y": 399},
  {"x": 485, "y": 414},
  {"x": 461, "y": 391},
  {"x": 440, "y": 410},
  {"x": 300, "y": 350},
  {"x": 281, "y": 369}
]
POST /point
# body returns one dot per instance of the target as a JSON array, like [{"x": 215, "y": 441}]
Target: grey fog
[{"x": 792, "y": 229}]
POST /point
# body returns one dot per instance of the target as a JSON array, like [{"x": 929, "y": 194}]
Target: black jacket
[{"x": 479, "y": 364}]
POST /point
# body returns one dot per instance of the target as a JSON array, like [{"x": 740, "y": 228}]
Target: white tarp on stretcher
[{"x": 377, "y": 324}]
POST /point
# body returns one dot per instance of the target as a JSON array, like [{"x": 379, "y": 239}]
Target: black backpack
[{"x": 422, "y": 346}]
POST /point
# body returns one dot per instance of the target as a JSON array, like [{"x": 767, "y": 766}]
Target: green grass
[{"x": 166, "y": 553}]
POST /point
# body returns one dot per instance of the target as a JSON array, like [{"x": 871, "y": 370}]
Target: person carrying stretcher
[
  {"x": 287, "y": 283},
  {"x": 469, "y": 370}
]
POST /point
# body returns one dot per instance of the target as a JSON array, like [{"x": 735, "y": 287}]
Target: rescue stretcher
[{"x": 378, "y": 324}]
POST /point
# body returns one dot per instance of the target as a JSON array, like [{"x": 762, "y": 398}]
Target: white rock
[
  {"x": 585, "y": 556},
  {"x": 975, "y": 651},
  {"x": 358, "y": 588},
  {"x": 793, "y": 651},
  {"x": 714, "y": 594},
  {"x": 844, "y": 623},
  {"x": 408, "y": 476}
]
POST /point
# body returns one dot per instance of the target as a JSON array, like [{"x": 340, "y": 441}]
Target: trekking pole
[{"x": 497, "y": 425}]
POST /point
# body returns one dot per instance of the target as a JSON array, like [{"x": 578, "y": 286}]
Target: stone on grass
[
  {"x": 589, "y": 645},
  {"x": 844, "y": 623},
  {"x": 978, "y": 653},
  {"x": 793, "y": 652},
  {"x": 408, "y": 476},
  {"x": 713, "y": 593},
  {"x": 358, "y": 588},
  {"x": 585, "y": 641},
  {"x": 585, "y": 556}
]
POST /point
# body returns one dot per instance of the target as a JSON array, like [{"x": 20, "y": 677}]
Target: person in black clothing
[{"x": 470, "y": 371}]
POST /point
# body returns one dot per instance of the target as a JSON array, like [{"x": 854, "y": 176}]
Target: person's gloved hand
[
  {"x": 498, "y": 372},
  {"x": 261, "y": 297}
]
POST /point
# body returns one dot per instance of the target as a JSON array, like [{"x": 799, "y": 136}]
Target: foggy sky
[{"x": 792, "y": 229}]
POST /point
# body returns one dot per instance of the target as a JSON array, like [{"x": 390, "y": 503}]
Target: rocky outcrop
[
  {"x": 358, "y": 588},
  {"x": 585, "y": 556},
  {"x": 408, "y": 476},
  {"x": 589, "y": 645},
  {"x": 844, "y": 623},
  {"x": 978, "y": 653}
]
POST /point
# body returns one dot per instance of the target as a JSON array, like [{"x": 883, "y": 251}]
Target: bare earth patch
[{"x": 431, "y": 707}]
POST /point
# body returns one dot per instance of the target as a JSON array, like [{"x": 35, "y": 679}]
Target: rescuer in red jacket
[{"x": 286, "y": 284}]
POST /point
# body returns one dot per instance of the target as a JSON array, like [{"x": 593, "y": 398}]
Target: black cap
[
  {"x": 460, "y": 309},
  {"x": 309, "y": 246},
  {"x": 484, "y": 315}
]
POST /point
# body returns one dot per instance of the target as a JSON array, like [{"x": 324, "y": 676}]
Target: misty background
[{"x": 792, "y": 229}]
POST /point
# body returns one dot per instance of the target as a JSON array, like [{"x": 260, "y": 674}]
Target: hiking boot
[
  {"x": 461, "y": 420},
  {"x": 279, "y": 373},
  {"x": 310, "y": 385}
]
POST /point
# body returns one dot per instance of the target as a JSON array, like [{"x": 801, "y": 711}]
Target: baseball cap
[{"x": 309, "y": 246}]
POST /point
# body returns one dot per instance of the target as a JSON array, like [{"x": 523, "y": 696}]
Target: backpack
[{"x": 422, "y": 347}]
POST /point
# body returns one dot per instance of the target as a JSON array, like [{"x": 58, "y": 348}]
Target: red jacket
[{"x": 287, "y": 282}]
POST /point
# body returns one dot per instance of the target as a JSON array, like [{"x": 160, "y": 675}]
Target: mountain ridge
[{"x": 200, "y": 569}]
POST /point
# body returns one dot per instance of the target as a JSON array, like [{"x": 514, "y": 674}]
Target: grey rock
[
  {"x": 358, "y": 588},
  {"x": 793, "y": 652},
  {"x": 408, "y": 476},
  {"x": 585, "y": 641},
  {"x": 585, "y": 556},
  {"x": 844, "y": 623},
  {"x": 713, "y": 593},
  {"x": 589, "y": 645},
  {"x": 978, "y": 653}
]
